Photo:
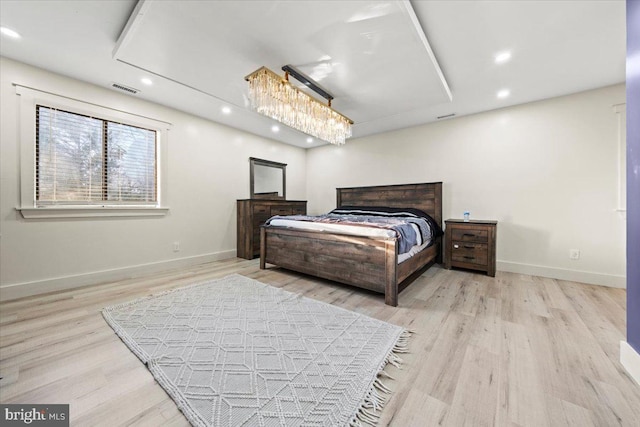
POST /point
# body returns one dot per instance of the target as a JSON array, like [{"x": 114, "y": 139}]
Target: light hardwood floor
[{"x": 513, "y": 350}]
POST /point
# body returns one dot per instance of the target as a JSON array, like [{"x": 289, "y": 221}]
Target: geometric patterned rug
[{"x": 237, "y": 352}]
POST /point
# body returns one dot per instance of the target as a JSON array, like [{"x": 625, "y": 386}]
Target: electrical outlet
[
  {"x": 176, "y": 246},
  {"x": 574, "y": 253}
]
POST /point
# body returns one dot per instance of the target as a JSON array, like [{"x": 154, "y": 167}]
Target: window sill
[{"x": 91, "y": 212}]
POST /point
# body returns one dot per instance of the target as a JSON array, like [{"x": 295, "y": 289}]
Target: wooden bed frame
[{"x": 366, "y": 262}]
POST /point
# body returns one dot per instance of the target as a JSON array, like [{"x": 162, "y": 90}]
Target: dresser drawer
[
  {"x": 281, "y": 210},
  {"x": 470, "y": 235},
  {"x": 258, "y": 220},
  {"x": 261, "y": 210},
  {"x": 256, "y": 240},
  {"x": 472, "y": 253},
  {"x": 298, "y": 210}
]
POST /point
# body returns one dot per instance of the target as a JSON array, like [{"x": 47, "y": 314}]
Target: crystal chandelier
[{"x": 275, "y": 97}]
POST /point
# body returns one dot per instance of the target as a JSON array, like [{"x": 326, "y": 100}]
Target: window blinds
[{"x": 88, "y": 160}]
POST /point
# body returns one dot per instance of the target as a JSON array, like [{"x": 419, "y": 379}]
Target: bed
[{"x": 366, "y": 262}]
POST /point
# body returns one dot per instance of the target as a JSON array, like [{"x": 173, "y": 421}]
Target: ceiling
[{"x": 389, "y": 64}]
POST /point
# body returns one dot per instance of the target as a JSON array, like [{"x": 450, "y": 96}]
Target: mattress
[{"x": 414, "y": 229}]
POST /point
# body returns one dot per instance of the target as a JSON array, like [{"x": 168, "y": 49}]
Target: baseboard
[
  {"x": 592, "y": 278},
  {"x": 19, "y": 290},
  {"x": 630, "y": 360}
]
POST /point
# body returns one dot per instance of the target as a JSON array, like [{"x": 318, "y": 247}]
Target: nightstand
[{"x": 471, "y": 245}]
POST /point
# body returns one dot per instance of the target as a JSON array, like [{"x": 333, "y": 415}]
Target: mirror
[{"x": 268, "y": 179}]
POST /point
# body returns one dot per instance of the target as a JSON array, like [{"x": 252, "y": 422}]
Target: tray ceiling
[{"x": 364, "y": 53}]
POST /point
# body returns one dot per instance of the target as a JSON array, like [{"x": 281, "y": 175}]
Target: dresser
[
  {"x": 252, "y": 213},
  {"x": 471, "y": 245}
]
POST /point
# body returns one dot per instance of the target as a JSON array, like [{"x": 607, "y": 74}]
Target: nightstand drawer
[
  {"x": 472, "y": 253},
  {"x": 470, "y": 235}
]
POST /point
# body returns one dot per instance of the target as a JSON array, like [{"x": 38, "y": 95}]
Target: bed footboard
[{"x": 366, "y": 262}]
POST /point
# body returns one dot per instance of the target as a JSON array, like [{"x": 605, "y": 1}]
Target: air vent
[
  {"x": 446, "y": 117},
  {"x": 125, "y": 88}
]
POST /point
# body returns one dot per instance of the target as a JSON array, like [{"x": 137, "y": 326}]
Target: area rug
[{"x": 237, "y": 352}]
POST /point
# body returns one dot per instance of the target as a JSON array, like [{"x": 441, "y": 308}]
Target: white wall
[
  {"x": 546, "y": 170},
  {"x": 208, "y": 170}
]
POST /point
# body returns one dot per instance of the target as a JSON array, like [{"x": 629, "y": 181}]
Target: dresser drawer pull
[
  {"x": 469, "y": 234},
  {"x": 469, "y": 247},
  {"x": 456, "y": 246},
  {"x": 469, "y": 257}
]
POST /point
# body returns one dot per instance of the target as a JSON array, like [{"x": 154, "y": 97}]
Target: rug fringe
[
  {"x": 367, "y": 414},
  {"x": 386, "y": 375}
]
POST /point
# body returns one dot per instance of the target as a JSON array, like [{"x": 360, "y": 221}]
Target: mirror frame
[{"x": 283, "y": 166}]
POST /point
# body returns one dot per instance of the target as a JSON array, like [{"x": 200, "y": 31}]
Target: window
[
  {"x": 90, "y": 157},
  {"x": 87, "y": 160}
]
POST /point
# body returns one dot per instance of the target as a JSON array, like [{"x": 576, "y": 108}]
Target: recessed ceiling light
[
  {"x": 503, "y": 93},
  {"x": 309, "y": 140},
  {"x": 9, "y": 33},
  {"x": 147, "y": 81},
  {"x": 502, "y": 57},
  {"x": 275, "y": 128},
  {"x": 226, "y": 110}
]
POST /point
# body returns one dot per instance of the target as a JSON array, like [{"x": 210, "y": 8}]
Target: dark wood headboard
[{"x": 426, "y": 197}]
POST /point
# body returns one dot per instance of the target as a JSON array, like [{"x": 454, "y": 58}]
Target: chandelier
[{"x": 275, "y": 97}]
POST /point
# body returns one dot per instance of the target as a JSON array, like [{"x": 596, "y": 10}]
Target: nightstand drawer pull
[
  {"x": 469, "y": 234},
  {"x": 469, "y": 257},
  {"x": 457, "y": 246}
]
